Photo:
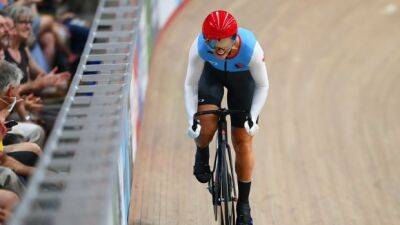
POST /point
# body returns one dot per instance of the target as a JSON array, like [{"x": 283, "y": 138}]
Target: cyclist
[{"x": 224, "y": 55}]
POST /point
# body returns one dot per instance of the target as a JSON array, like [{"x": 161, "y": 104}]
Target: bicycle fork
[{"x": 222, "y": 158}]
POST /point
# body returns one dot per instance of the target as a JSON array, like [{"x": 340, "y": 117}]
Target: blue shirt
[{"x": 238, "y": 63}]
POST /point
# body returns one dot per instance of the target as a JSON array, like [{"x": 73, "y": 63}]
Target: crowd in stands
[{"x": 39, "y": 53}]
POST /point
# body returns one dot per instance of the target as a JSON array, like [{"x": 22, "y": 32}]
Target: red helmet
[{"x": 219, "y": 24}]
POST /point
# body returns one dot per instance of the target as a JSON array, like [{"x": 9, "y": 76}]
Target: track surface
[{"x": 328, "y": 148}]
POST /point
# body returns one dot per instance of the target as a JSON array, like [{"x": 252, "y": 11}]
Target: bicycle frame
[
  {"x": 226, "y": 177},
  {"x": 223, "y": 141},
  {"x": 223, "y": 182}
]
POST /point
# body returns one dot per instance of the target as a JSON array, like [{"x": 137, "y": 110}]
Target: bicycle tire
[
  {"x": 227, "y": 203},
  {"x": 218, "y": 188},
  {"x": 232, "y": 182},
  {"x": 230, "y": 207}
]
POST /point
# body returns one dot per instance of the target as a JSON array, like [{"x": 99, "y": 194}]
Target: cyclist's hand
[
  {"x": 194, "y": 130},
  {"x": 251, "y": 128}
]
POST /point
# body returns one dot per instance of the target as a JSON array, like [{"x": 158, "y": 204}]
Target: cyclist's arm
[
  {"x": 259, "y": 72},
  {"x": 193, "y": 74}
]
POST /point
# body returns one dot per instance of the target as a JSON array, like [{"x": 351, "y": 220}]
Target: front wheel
[
  {"x": 227, "y": 203},
  {"x": 226, "y": 196}
]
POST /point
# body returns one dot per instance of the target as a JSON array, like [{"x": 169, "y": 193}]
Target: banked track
[{"x": 328, "y": 148}]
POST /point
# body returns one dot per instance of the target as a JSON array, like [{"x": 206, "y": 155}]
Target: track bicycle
[{"x": 222, "y": 185}]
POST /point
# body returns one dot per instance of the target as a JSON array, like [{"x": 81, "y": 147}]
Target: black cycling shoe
[
  {"x": 243, "y": 215},
  {"x": 202, "y": 172},
  {"x": 201, "y": 169}
]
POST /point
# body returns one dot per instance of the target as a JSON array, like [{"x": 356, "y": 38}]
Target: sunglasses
[
  {"x": 24, "y": 21},
  {"x": 212, "y": 43}
]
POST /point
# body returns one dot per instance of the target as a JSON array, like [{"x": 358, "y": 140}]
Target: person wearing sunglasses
[
  {"x": 226, "y": 56},
  {"x": 35, "y": 79}
]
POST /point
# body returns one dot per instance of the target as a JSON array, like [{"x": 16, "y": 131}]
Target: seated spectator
[
  {"x": 24, "y": 171},
  {"x": 45, "y": 25},
  {"x": 78, "y": 34},
  {"x": 9, "y": 84},
  {"x": 8, "y": 161},
  {"x": 54, "y": 56},
  {"x": 19, "y": 54},
  {"x": 25, "y": 38},
  {"x": 13, "y": 175},
  {"x": 61, "y": 40},
  {"x": 34, "y": 80},
  {"x": 5, "y": 26},
  {"x": 9, "y": 80},
  {"x": 16, "y": 161},
  {"x": 25, "y": 83},
  {"x": 10, "y": 181},
  {"x": 26, "y": 153}
]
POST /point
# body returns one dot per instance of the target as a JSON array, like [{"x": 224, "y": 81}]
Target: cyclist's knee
[
  {"x": 208, "y": 125},
  {"x": 206, "y": 135},
  {"x": 208, "y": 128},
  {"x": 243, "y": 147},
  {"x": 208, "y": 122},
  {"x": 241, "y": 140}
]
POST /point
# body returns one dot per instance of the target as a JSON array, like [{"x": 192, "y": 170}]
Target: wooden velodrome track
[{"x": 328, "y": 151}]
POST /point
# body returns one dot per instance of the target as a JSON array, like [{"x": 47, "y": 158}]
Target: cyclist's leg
[
  {"x": 240, "y": 95},
  {"x": 244, "y": 165},
  {"x": 241, "y": 87},
  {"x": 242, "y": 143},
  {"x": 208, "y": 125},
  {"x": 210, "y": 95}
]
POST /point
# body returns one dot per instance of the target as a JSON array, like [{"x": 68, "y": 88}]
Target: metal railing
[{"x": 84, "y": 176}]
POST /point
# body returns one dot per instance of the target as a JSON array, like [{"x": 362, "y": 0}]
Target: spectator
[
  {"x": 9, "y": 80},
  {"x": 24, "y": 80},
  {"x": 9, "y": 83},
  {"x": 19, "y": 54},
  {"x": 16, "y": 161},
  {"x": 10, "y": 181},
  {"x": 54, "y": 56},
  {"x": 5, "y": 26},
  {"x": 19, "y": 168},
  {"x": 34, "y": 80},
  {"x": 45, "y": 25},
  {"x": 78, "y": 34}
]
